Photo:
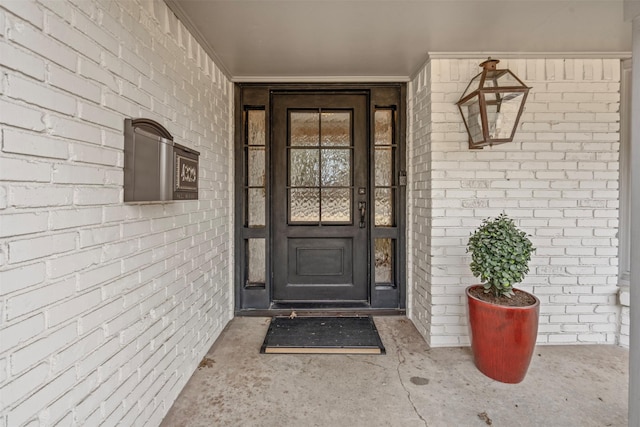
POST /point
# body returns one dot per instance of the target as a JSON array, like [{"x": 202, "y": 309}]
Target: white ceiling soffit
[{"x": 384, "y": 40}]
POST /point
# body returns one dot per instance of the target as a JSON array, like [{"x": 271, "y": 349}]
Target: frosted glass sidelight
[
  {"x": 383, "y": 127},
  {"x": 304, "y": 128},
  {"x": 256, "y": 127},
  {"x": 256, "y": 262},
  {"x": 304, "y": 167},
  {"x": 336, "y": 168},
  {"x": 256, "y": 167},
  {"x": 384, "y": 207},
  {"x": 384, "y": 167},
  {"x": 384, "y": 261},
  {"x": 256, "y": 208},
  {"x": 304, "y": 205},
  {"x": 336, "y": 129},
  {"x": 336, "y": 205}
]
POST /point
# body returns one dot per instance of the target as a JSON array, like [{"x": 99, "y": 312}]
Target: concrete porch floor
[{"x": 409, "y": 386}]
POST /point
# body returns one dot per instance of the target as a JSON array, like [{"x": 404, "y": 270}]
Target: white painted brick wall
[
  {"x": 558, "y": 179},
  {"x": 105, "y": 308},
  {"x": 421, "y": 304},
  {"x": 625, "y": 320}
]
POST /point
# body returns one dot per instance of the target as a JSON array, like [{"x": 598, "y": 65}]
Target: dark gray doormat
[{"x": 322, "y": 335}]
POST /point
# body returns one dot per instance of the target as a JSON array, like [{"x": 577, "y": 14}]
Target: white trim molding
[
  {"x": 529, "y": 55},
  {"x": 519, "y": 55},
  {"x": 320, "y": 79}
]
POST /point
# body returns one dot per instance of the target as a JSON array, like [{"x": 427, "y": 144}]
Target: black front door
[
  {"x": 320, "y": 197},
  {"x": 319, "y": 209}
]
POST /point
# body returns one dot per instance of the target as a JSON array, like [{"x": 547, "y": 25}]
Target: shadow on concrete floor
[{"x": 409, "y": 386}]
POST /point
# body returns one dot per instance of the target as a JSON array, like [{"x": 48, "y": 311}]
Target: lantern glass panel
[
  {"x": 472, "y": 118},
  {"x": 509, "y": 79},
  {"x": 501, "y": 78},
  {"x": 502, "y": 112},
  {"x": 473, "y": 85}
]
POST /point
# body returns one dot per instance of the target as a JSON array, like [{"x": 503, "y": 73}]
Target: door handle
[{"x": 362, "y": 207}]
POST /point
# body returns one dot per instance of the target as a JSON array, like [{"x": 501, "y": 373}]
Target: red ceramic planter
[{"x": 502, "y": 338}]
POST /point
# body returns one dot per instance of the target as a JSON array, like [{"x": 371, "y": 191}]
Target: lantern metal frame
[{"x": 490, "y": 73}]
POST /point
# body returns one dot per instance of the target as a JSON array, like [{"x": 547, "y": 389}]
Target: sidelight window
[
  {"x": 255, "y": 172},
  {"x": 255, "y": 196},
  {"x": 385, "y": 193},
  {"x": 384, "y": 168}
]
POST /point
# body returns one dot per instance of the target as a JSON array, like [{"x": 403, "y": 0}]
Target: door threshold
[
  {"x": 319, "y": 305},
  {"x": 320, "y": 312}
]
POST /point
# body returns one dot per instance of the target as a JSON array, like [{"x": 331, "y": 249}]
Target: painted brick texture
[
  {"x": 106, "y": 308},
  {"x": 558, "y": 179},
  {"x": 419, "y": 106},
  {"x": 625, "y": 319}
]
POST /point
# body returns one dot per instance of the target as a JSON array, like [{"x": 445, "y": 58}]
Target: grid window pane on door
[
  {"x": 304, "y": 205},
  {"x": 320, "y": 172},
  {"x": 335, "y": 204},
  {"x": 335, "y": 129}
]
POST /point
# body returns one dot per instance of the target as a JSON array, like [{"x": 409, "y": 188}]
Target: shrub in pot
[{"x": 503, "y": 321}]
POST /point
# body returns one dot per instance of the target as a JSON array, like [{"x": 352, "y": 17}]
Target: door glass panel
[
  {"x": 256, "y": 207},
  {"x": 384, "y": 170},
  {"x": 256, "y": 261},
  {"x": 256, "y": 127},
  {"x": 383, "y": 207},
  {"x": 304, "y": 128},
  {"x": 384, "y": 167},
  {"x": 304, "y": 167},
  {"x": 336, "y": 167},
  {"x": 256, "y": 167},
  {"x": 336, "y": 205},
  {"x": 320, "y": 177},
  {"x": 384, "y": 261},
  {"x": 304, "y": 205},
  {"x": 336, "y": 129},
  {"x": 383, "y": 128}
]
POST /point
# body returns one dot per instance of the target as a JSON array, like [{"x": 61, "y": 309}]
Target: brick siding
[
  {"x": 558, "y": 179},
  {"x": 105, "y": 308}
]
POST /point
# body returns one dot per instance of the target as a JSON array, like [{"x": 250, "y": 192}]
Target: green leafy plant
[{"x": 500, "y": 255}]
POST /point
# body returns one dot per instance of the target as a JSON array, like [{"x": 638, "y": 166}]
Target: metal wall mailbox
[{"x": 155, "y": 167}]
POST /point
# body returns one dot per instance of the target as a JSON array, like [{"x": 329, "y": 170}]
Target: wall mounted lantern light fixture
[{"x": 491, "y": 105}]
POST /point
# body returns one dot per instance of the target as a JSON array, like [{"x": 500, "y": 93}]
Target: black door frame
[{"x": 256, "y": 298}]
